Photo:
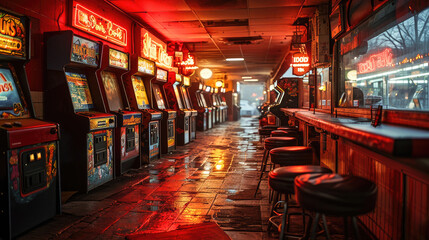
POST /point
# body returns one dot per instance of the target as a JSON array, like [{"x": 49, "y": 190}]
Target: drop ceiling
[{"x": 260, "y": 29}]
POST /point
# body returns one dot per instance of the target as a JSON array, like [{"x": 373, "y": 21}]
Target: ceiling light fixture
[
  {"x": 246, "y": 77},
  {"x": 234, "y": 59},
  {"x": 250, "y": 80},
  {"x": 206, "y": 73}
]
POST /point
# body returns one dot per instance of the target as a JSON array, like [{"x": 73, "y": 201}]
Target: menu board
[
  {"x": 140, "y": 92},
  {"x": 79, "y": 91},
  {"x": 85, "y": 51},
  {"x": 177, "y": 93},
  {"x": 185, "y": 96},
  {"x": 112, "y": 90},
  {"x": 158, "y": 97},
  {"x": 118, "y": 59},
  {"x": 11, "y": 104}
]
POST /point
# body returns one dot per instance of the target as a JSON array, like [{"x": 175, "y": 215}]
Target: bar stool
[
  {"x": 281, "y": 181},
  {"x": 265, "y": 132},
  {"x": 336, "y": 195},
  {"x": 293, "y": 155},
  {"x": 270, "y": 143},
  {"x": 281, "y": 133},
  {"x": 288, "y": 128}
]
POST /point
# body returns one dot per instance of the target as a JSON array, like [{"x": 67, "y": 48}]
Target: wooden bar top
[{"x": 392, "y": 139}]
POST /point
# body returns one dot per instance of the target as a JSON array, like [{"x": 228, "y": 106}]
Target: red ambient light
[
  {"x": 300, "y": 64},
  {"x": 376, "y": 61},
  {"x": 90, "y": 22}
]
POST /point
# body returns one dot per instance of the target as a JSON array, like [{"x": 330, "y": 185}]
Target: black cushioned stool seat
[
  {"x": 269, "y": 127},
  {"x": 287, "y": 128},
  {"x": 293, "y": 155},
  {"x": 337, "y": 195},
  {"x": 275, "y": 142},
  {"x": 264, "y": 131},
  {"x": 279, "y": 133},
  {"x": 282, "y": 179}
]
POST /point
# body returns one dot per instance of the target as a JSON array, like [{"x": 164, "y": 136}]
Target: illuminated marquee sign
[
  {"x": 178, "y": 78},
  {"x": 186, "y": 81},
  {"x": 300, "y": 64},
  {"x": 146, "y": 66},
  {"x": 376, "y": 61},
  {"x": 161, "y": 75},
  {"x": 12, "y": 35},
  {"x": 85, "y": 51},
  {"x": 155, "y": 49},
  {"x": 90, "y": 22},
  {"x": 118, "y": 59}
]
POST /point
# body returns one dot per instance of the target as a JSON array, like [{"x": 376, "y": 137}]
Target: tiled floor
[{"x": 211, "y": 179}]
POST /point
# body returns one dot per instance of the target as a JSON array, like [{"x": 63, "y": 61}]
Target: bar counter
[{"x": 395, "y": 157}]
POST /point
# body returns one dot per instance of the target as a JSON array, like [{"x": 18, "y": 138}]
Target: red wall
[{"x": 53, "y": 15}]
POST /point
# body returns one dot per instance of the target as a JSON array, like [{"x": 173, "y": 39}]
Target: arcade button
[
  {"x": 17, "y": 124},
  {"x": 7, "y": 125}
]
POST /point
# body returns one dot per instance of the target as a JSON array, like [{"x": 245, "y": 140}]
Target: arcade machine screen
[
  {"x": 140, "y": 92},
  {"x": 10, "y": 99},
  {"x": 79, "y": 92},
  {"x": 179, "y": 100},
  {"x": 158, "y": 97},
  {"x": 112, "y": 90},
  {"x": 185, "y": 96}
]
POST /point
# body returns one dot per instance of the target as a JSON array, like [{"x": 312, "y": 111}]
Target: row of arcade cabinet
[
  {"x": 210, "y": 105},
  {"x": 109, "y": 124},
  {"x": 115, "y": 114}
]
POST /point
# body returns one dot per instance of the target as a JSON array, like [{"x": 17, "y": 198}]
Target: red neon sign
[
  {"x": 155, "y": 49},
  {"x": 376, "y": 61},
  {"x": 300, "y": 64},
  {"x": 90, "y": 22}
]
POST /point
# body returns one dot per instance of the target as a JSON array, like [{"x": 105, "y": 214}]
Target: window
[{"x": 385, "y": 61}]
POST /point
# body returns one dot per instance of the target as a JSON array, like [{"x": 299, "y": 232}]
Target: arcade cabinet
[
  {"x": 214, "y": 103},
  {"x": 168, "y": 123},
  {"x": 222, "y": 102},
  {"x": 29, "y": 178},
  {"x": 175, "y": 101},
  {"x": 186, "y": 83},
  {"x": 114, "y": 64},
  {"x": 205, "y": 95},
  {"x": 287, "y": 97},
  {"x": 137, "y": 84},
  {"x": 198, "y": 104},
  {"x": 73, "y": 99},
  {"x": 232, "y": 100}
]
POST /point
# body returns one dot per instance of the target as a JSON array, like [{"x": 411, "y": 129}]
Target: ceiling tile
[
  {"x": 216, "y": 4},
  {"x": 278, "y": 12},
  {"x": 274, "y": 3}
]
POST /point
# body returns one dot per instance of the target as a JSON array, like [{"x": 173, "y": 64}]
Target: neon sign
[
  {"x": 300, "y": 64},
  {"x": 12, "y": 35},
  {"x": 90, "y": 22},
  {"x": 376, "y": 61},
  {"x": 189, "y": 64},
  {"x": 155, "y": 50}
]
